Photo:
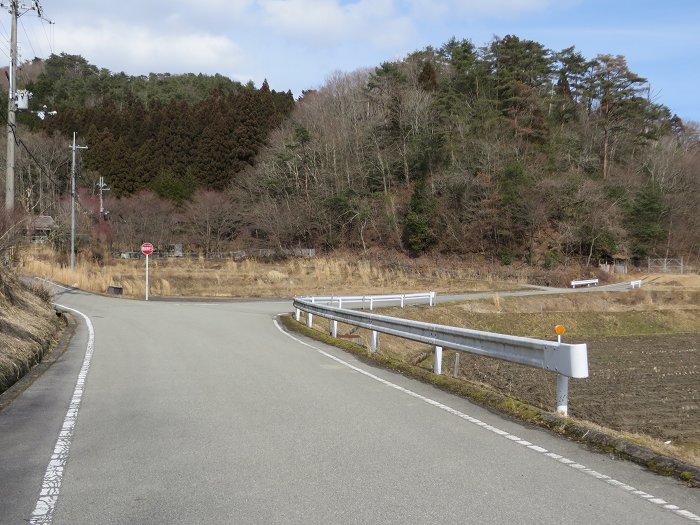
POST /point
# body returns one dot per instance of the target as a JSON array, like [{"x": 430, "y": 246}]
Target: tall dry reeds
[
  {"x": 342, "y": 273},
  {"x": 229, "y": 278}
]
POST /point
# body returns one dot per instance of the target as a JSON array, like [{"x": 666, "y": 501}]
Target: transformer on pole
[{"x": 17, "y": 100}]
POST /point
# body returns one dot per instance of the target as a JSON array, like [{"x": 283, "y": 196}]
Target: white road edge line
[
  {"x": 660, "y": 503},
  {"x": 51, "y": 485},
  {"x": 53, "y": 283}
]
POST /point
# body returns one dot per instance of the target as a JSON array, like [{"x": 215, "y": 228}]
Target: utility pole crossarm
[{"x": 102, "y": 187}]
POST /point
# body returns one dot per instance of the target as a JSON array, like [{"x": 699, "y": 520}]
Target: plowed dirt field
[{"x": 641, "y": 384}]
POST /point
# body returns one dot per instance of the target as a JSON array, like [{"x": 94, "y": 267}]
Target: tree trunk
[{"x": 605, "y": 152}]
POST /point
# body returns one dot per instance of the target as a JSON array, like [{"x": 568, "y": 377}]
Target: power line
[
  {"x": 20, "y": 142},
  {"x": 14, "y": 7},
  {"x": 36, "y": 161},
  {"x": 5, "y": 36},
  {"x": 4, "y": 32},
  {"x": 29, "y": 40},
  {"x": 49, "y": 41},
  {"x": 32, "y": 38}
]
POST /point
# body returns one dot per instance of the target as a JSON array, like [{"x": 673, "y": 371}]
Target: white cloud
[
  {"x": 310, "y": 18},
  {"x": 501, "y": 7},
  {"x": 331, "y": 22},
  {"x": 138, "y": 49},
  {"x": 218, "y": 10}
]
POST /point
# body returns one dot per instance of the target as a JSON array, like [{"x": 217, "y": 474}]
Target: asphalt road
[{"x": 209, "y": 413}]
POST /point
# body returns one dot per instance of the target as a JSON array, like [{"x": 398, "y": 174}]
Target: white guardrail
[
  {"x": 582, "y": 282},
  {"x": 566, "y": 360},
  {"x": 370, "y": 301}
]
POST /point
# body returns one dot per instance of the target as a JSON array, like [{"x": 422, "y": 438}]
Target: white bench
[
  {"x": 636, "y": 284},
  {"x": 586, "y": 282}
]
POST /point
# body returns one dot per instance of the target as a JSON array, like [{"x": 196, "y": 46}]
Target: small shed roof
[{"x": 44, "y": 222}]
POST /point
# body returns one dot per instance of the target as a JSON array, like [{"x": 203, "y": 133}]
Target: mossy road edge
[{"x": 57, "y": 343}]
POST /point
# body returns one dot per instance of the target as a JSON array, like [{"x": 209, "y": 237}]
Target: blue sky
[{"x": 297, "y": 44}]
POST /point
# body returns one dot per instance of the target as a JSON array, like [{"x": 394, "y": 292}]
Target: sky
[{"x": 299, "y": 44}]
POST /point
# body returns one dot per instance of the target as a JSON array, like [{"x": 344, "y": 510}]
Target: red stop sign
[{"x": 147, "y": 248}]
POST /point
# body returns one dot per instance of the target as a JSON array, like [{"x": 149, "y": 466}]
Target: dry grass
[
  {"x": 27, "y": 328},
  {"x": 265, "y": 278}
]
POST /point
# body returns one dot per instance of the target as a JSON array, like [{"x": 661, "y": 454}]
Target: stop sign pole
[{"x": 147, "y": 249}]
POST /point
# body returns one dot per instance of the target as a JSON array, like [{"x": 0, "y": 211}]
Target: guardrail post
[
  {"x": 432, "y": 298},
  {"x": 310, "y": 316},
  {"x": 562, "y": 395},
  {"x": 298, "y": 314},
  {"x": 334, "y": 324},
  {"x": 371, "y": 303},
  {"x": 437, "y": 362},
  {"x": 374, "y": 342},
  {"x": 403, "y": 299}
]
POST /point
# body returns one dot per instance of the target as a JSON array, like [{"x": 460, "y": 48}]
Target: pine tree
[{"x": 616, "y": 91}]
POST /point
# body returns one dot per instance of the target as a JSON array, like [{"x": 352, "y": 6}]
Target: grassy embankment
[{"x": 28, "y": 327}]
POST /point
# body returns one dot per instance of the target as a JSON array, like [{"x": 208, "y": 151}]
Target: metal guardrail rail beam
[
  {"x": 567, "y": 360},
  {"x": 373, "y": 300}
]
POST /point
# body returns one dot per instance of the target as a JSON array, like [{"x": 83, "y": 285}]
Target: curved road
[{"x": 188, "y": 413}]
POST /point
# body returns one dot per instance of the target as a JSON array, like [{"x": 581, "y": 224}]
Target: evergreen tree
[
  {"x": 616, "y": 91},
  {"x": 427, "y": 79},
  {"x": 418, "y": 232},
  {"x": 645, "y": 221},
  {"x": 177, "y": 189}
]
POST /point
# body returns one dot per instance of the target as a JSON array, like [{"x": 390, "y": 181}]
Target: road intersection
[{"x": 201, "y": 413}]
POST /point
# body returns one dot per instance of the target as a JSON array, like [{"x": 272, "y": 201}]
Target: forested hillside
[
  {"x": 170, "y": 133},
  {"x": 509, "y": 150}
]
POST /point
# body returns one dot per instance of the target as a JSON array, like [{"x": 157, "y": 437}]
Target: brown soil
[{"x": 639, "y": 384}]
